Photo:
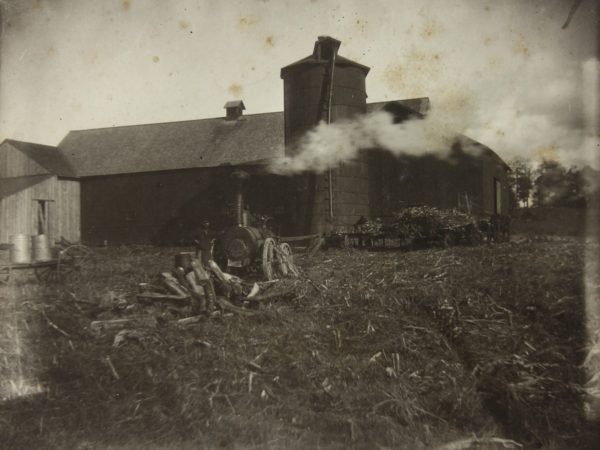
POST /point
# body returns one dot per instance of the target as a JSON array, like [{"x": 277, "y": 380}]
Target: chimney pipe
[
  {"x": 239, "y": 176},
  {"x": 234, "y": 109}
]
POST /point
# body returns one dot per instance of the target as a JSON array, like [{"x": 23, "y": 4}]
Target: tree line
[{"x": 552, "y": 184}]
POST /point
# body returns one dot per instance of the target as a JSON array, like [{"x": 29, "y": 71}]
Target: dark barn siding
[
  {"x": 166, "y": 207},
  {"x": 428, "y": 180}
]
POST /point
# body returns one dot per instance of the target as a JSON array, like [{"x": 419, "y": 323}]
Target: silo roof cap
[{"x": 317, "y": 56}]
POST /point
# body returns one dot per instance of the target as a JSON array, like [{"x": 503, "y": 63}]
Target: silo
[{"x": 325, "y": 87}]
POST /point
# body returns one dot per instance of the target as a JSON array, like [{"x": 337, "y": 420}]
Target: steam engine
[{"x": 241, "y": 245}]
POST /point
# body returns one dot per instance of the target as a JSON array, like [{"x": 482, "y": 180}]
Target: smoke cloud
[{"x": 326, "y": 146}]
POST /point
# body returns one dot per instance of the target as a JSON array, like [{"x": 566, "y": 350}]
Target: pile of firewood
[{"x": 205, "y": 289}]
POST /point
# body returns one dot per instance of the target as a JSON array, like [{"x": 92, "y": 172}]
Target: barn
[
  {"x": 39, "y": 193},
  {"x": 325, "y": 86},
  {"x": 154, "y": 183}
]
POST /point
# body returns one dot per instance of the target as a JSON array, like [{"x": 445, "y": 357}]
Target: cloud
[{"x": 542, "y": 117}]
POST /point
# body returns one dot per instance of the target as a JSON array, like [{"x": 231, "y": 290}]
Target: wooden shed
[{"x": 39, "y": 193}]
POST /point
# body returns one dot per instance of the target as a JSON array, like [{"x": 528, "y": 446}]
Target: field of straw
[{"x": 467, "y": 347}]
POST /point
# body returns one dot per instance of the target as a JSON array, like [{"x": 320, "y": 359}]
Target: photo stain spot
[
  {"x": 270, "y": 40},
  {"x": 362, "y": 24},
  {"x": 244, "y": 22},
  {"x": 91, "y": 57},
  {"x": 487, "y": 41},
  {"x": 520, "y": 47},
  {"x": 126, "y": 4},
  {"x": 235, "y": 89},
  {"x": 548, "y": 153},
  {"x": 394, "y": 77},
  {"x": 155, "y": 59},
  {"x": 416, "y": 72},
  {"x": 184, "y": 24},
  {"x": 431, "y": 29}
]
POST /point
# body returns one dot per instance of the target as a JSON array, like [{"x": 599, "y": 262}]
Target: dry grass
[{"x": 374, "y": 349}]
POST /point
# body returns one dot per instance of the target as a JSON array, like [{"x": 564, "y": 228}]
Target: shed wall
[
  {"x": 67, "y": 220},
  {"x": 18, "y": 212}
]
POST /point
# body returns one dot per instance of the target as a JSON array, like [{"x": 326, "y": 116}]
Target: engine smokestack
[{"x": 239, "y": 176}]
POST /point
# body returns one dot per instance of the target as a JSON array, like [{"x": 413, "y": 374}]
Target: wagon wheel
[
  {"x": 75, "y": 262},
  {"x": 47, "y": 273},
  {"x": 268, "y": 256},
  {"x": 474, "y": 236},
  {"x": 5, "y": 274},
  {"x": 448, "y": 239},
  {"x": 345, "y": 241},
  {"x": 286, "y": 260}
]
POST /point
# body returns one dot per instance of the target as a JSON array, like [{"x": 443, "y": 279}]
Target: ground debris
[{"x": 376, "y": 355}]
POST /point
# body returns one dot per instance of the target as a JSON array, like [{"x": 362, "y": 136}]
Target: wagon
[
  {"x": 66, "y": 265},
  {"x": 418, "y": 226}
]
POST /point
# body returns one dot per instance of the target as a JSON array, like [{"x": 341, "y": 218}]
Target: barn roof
[
  {"x": 50, "y": 158},
  {"x": 175, "y": 145},
  {"x": 251, "y": 139},
  {"x": 10, "y": 186}
]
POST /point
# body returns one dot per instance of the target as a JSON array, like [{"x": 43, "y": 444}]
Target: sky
[{"x": 506, "y": 73}]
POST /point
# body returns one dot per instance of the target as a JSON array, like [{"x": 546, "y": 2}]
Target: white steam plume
[{"x": 326, "y": 146}]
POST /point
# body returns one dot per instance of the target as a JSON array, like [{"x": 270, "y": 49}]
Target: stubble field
[{"x": 366, "y": 349}]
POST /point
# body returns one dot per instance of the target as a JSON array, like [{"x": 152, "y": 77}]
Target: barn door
[{"x": 42, "y": 217}]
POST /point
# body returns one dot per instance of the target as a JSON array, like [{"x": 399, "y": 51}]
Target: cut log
[
  {"x": 192, "y": 284},
  {"x": 270, "y": 296},
  {"x": 100, "y": 325},
  {"x": 209, "y": 290},
  {"x": 197, "y": 292},
  {"x": 173, "y": 285},
  {"x": 200, "y": 272},
  {"x": 191, "y": 320},
  {"x": 214, "y": 267},
  {"x": 157, "y": 296},
  {"x": 236, "y": 309},
  {"x": 179, "y": 274}
]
